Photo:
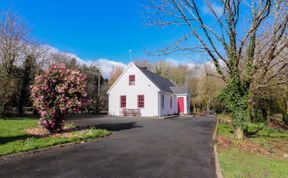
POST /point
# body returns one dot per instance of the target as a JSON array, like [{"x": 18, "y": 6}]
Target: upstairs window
[
  {"x": 123, "y": 101},
  {"x": 131, "y": 79},
  {"x": 140, "y": 101}
]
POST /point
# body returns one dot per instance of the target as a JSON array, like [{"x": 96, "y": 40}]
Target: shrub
[{"x": 56, "y": 92}]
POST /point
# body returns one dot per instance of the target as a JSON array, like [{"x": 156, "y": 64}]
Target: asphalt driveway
[{"x": 138, "y": 147}]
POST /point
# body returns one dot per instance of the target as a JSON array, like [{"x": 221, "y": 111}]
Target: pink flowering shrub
[{"x": 57, "y": 92}]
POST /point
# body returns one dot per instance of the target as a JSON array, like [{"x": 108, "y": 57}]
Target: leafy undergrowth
[
  {"x": 264, "y": 153},
  {"x": 22, "y": 134}
]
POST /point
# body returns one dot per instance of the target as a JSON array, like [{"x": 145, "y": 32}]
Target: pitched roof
[
  {"x": 162, "y": 83},
  {"x": 180, "y": 90}
]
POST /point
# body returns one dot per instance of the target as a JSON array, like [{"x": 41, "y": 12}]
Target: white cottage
[{"x": 140, "y": 92}]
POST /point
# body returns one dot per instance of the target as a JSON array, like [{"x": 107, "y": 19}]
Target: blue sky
[
  {"x": 103, "y": 29},
  {"x": 94, "y": 29}
]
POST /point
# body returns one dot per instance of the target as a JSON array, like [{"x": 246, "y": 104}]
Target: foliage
[
  {"x": 235, "y": 96},
  {"x": 27, "y": 78},
  {"x": 56, "y": 92},
  {"x": 14, "y": 139},
  {"x": 13, "y": 33},
  {"x": 269, "y": 101},
  {"x": 95, "y": 83},
  {"x": 8, "y": 91}
]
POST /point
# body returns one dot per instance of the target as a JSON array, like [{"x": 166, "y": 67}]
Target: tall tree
[
  {"x": 13, "y": 36},
  {"x": 95, "y": 81},
  {"x": 27, "y": 78},
  {"x": 230, "y": 45},
  {"x": 13, "y": 43}
]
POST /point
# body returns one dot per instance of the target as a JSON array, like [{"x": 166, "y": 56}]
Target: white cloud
[
  {"x": 181, "y": 62},
  {"x": 194, "y": 65},
  {"x": 105, "y": 65}
]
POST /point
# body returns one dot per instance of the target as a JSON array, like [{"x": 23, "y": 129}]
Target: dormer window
[{"x": 131, "y": 79}]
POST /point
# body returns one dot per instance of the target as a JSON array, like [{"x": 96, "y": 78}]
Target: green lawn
[
  {"x": 237, "y": 162},
  {"x": 13, "y": 139}
]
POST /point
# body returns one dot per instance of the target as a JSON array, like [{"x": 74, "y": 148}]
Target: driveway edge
[{"x": 216, "y": 156}]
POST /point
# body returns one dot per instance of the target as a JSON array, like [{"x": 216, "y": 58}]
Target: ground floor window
[
  {"x": 140, "y": 101},
  {"x": 123, "y": 101},
  {"x": 162, "y": 101},
  {"x": 171, "y": 102}
]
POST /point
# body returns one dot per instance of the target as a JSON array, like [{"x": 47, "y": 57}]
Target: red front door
[{"x": 180, "y": 104}]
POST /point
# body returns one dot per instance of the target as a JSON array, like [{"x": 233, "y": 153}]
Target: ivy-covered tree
[
  {"x": 228, "y": 31},
  {"x": 56, "y": 92}
]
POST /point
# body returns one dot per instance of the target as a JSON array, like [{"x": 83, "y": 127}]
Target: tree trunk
[
  {"x": 285, "y": 118},
  {"x": 251, "y": 110},
  {"x": 55, "y": 124},
  {"x": 239, "y": 133},
  {"x": 21, "y": 101},
  {"x": 237, "y": 102},
  {"x": 208, "y": 105}
]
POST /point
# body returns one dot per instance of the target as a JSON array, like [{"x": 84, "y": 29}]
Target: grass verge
[
  {"x": 263, "y": 154},
  {"x": 14, "y": 139},
  {"x": 238, "y": 163}
]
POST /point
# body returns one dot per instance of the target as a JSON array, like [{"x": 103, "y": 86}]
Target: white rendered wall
[
  {"x": 167, "y": 110},
  {"x": 143, "y": 86}
]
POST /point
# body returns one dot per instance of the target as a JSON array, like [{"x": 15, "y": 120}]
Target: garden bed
[{"x": 23, "y": 134}]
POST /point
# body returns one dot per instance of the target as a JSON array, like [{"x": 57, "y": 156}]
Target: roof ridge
[
  {"x": 145, "y": 68},
  {"x": 180, "y": 90},
  {"x": 161, "y": 82}
]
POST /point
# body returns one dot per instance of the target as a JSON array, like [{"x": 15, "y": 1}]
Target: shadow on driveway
[{"x": 117, "y": 126}]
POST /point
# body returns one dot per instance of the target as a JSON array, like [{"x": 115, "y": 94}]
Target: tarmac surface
[{"x": 138, "y": 147}]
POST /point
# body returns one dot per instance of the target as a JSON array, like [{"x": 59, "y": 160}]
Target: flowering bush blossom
[{"x": 58, "y": 91}]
